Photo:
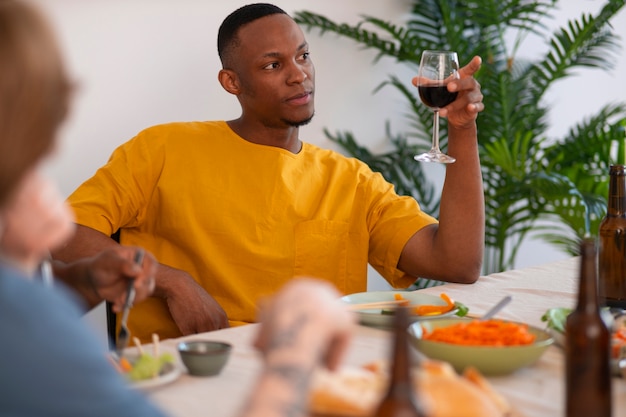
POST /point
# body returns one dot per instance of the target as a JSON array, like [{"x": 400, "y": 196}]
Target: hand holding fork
[{"x": 124, "y": 333}]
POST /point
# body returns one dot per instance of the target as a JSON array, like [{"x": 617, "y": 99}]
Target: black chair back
[{"x": 111, "y": 316}]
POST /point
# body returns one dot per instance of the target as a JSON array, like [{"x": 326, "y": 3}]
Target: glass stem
[{"x": 436, "y": 131}]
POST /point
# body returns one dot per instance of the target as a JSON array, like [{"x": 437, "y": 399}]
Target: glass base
[{"x": 434, "y": 156}]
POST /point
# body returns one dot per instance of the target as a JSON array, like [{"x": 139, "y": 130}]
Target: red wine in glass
[
  {"x": 437, "y": 69},
  {"x": 436, "y": 96}
]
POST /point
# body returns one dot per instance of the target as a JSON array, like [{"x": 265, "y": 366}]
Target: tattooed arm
[{"x": 302, "y": 327}]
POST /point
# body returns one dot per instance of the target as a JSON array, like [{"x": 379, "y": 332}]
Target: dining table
[{"x": 537, "y": 390}]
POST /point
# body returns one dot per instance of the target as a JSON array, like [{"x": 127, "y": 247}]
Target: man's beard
[{"x": 298, "y": 123}]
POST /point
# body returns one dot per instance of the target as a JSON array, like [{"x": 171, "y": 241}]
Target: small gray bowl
[{"x": 204, "y": 357}]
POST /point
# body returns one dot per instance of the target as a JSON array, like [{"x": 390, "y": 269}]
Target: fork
[{"x": 123, "y": 335}]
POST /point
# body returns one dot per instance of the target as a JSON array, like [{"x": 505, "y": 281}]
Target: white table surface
[{"x": 537, "y": 390}]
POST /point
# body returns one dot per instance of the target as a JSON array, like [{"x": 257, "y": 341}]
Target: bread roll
[
  {"x": 350, "y": 392},
  {"x": 472, "y": 375},
  {"x": 355, "y": 392}
]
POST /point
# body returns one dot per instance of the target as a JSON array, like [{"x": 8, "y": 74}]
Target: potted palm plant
[{"x": 553, "y": 187}]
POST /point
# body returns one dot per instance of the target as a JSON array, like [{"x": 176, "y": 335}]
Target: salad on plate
[{"x": 146, "y": 370}]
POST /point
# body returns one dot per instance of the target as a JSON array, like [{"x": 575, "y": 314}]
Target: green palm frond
[
  {"x": 585, "y": 42},
  {"x": 561, "y": 239},
  {"x": 406, "y": 52},
  {"x": 368, "y": 39},
  {"x": 588, "y": 143},
  {"x": 419, "y": 115}
]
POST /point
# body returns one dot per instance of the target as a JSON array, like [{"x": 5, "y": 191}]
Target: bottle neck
[
  {"x": 401, "y": 365},
  {"x": 616, "y": 202},
  {"x": 401, "y": 398},
  {"x": 588, "y": 285}
]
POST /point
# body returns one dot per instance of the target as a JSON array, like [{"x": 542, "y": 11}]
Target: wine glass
[{"x": 437, "y": 69}]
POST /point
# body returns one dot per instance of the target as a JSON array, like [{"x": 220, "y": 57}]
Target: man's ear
[{"x": 230, "y": 82}]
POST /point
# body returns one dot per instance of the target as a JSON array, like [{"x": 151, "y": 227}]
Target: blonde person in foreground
[
  {"x": 36, "y": 218},
  {"x": 51, "y": 362},
  {"x": 234, "y": 209}
]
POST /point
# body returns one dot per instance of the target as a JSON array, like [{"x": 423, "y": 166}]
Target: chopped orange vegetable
[
  {"x": 482, "y": 333},
  {"x": 399, "y": 297},
  {"x": 618, "y": 342},
  {"x": 431, "y": 310},
  {"x": 445, "y": 297},
  {"x": 125, "y": 365},
  {"x": 427, "y": 309}
]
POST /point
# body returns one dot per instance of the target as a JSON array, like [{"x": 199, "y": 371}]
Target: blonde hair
[{"x": 34, "y": 91}]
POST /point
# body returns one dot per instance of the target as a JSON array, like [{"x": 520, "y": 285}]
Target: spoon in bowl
[{"x": 496, "y": 308}]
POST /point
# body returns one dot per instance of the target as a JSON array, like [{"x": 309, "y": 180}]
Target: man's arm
[
  {"x": 453, "y": 250},
  {"x": 192, "y": 308}
]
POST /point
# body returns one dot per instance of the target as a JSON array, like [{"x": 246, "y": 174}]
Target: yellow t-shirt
[{"x": 243, "y": 219}]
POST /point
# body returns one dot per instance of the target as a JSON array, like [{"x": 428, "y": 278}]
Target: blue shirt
[{"x": 51, "y": 362}]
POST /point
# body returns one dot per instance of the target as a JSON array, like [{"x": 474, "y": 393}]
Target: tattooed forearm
[
  {"x": 289, "y": 336},
  {"x": 276, "y": 408},
  {"x": 290, "y": 384},
  {"x": 296, "y": 375}
]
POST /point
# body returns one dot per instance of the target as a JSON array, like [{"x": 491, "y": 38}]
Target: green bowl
[
  {"x": 489, "y": 360},
  {"x": 204, "y": 357}
]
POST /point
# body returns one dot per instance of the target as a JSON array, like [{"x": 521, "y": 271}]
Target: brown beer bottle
[
  {"x": 401, "y": 397},
  {"x": 612, "y": 244},
  {"x": 587, "y": 347}
]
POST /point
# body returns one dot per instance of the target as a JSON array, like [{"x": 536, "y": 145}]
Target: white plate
[
  {"x": 559, "y": 338},
  {"x": 374, "y": 316},
  {"x": 169, "y": 373}
]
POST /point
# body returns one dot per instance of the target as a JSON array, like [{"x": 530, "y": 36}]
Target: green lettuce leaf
[
  {"x": 462, "y": 309},
  {"x": 555, "y": 318}
]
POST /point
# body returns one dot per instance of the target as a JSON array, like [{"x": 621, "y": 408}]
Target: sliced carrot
[
  {"x": 616, "y": 350},
  {"x": 125, "y": 365},
  {"x": 426, "y": 310},
  {"x": 445, "y": 297},
  {"x": 430, "y": 310},
  {"x": 618, "y": 342},
  {"x": 482, "y": 333},
  {"x": 437, "y": 309}
]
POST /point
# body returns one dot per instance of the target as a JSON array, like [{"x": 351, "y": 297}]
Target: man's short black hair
[{"x": 227, "y": 34}]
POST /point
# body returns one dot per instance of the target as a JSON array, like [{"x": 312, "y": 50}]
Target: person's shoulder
[
  {"x": 14, "y": 286},
  {"x": 178, "y": 134},
  {"x": 53, "y": 345},
  {"x": 177, "y": 128}
]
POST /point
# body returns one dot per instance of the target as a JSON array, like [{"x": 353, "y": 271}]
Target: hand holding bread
[{"x": 303, "y": 327}]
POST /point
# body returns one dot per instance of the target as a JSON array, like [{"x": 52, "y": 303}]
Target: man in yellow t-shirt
[{"x": 234, "y": 209}]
